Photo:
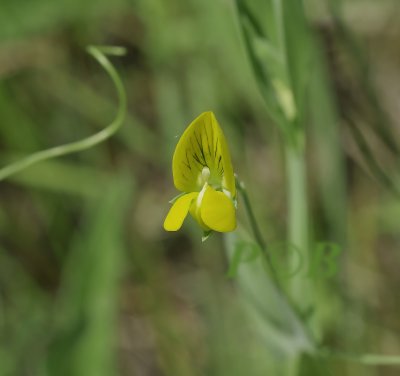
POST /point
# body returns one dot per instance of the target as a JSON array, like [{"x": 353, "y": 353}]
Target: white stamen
[{"x": 205, "y": 174}]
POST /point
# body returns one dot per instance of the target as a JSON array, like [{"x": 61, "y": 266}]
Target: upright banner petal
[{"x": 202, "y": 145}]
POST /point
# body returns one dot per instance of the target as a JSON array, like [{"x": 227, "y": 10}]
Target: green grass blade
[{"x": 84, "y": 340}]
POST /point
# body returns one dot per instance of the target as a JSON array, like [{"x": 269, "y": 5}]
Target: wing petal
[{"x": 179, "y": 211}]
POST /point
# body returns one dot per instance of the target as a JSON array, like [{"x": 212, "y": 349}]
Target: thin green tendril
[{"x": 99, "y": 53}]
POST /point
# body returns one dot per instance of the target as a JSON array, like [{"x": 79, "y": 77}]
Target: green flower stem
[
  {"x": 99, "y": 53},
  {"x": 253, "y": 222},
  {"x": 256, "y": 230}
]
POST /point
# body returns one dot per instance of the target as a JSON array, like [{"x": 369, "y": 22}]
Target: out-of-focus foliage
[{"x": 90, "y": 284}]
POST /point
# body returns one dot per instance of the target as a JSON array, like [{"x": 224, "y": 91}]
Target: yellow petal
[
  {"x": 179, "y": 211},
  {"x": 195, "y": 211},
  {"x": 202, "y": 145},
  {"x": 217, "y": 211},
  {"x": 228, "y": 178}
]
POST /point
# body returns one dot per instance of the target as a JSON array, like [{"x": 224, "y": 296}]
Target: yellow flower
[{"x": 202, "y": 170}]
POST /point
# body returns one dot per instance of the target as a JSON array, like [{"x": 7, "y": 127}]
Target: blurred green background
[{"x": 91, "y": 284}]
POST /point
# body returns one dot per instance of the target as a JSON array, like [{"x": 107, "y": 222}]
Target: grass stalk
[{"x": 298, "y": 220}]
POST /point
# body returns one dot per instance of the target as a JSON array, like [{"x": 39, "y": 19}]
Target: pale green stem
[
  {"x": 300, "y": 288},
  {"x": 99, "y": 54}
]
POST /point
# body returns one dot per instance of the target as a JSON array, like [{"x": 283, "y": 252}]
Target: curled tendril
[{"x": 99, "y": 53}]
